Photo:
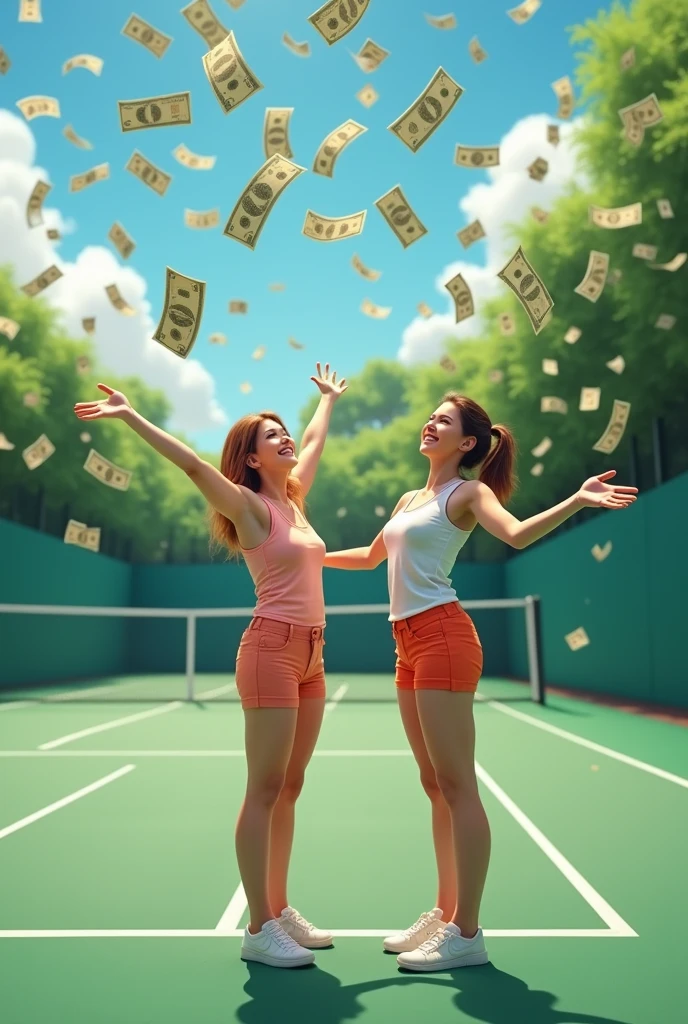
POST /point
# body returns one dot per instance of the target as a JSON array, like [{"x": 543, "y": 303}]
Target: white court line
[
  {"x": 369, "y": 933},
  {"x": 111, "y": 725},
  {"x": 15, "y": 704},
  {"x": 37, "y": 815},
  {"x": 190, "y": 753},
  {"x": 573, "y": 738},
  {"x": 214, "y": 693},
  {"x": 603, "y": 909},
  {"x": 336, "y": 697}
]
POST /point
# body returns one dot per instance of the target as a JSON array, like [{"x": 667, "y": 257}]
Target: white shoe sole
[
  {"x": 470, "y": 960},
  {"x": 271, "y": 961},
  {"x": 407, "y": 946},
  {"x": 315, "y": 944}
]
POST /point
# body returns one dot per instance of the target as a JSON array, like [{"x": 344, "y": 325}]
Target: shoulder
[
  {"x": 255, "y": 507},
  {"x": 406, "y": 497}
]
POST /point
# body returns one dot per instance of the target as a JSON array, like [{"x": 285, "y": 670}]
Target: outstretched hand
[
  {"x": 328, "y": 385},
  {"x": 596, "y": 493},
  {"x": 115, "y": 405}
]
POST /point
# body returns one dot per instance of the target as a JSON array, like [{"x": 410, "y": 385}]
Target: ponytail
[{"x": 495, "y": 461}]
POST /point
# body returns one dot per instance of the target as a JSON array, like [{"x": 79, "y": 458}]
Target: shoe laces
[
  {"x": 431, "y": 944},
  {"x": 422, "y": 921},
  {"x": 283, "y": 938},
  {"x": 297, "y": 918}
]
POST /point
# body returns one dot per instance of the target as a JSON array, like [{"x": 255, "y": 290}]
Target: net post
[
  {"x": 190, "y": 654},
  {"x": 532, "y": 610}
]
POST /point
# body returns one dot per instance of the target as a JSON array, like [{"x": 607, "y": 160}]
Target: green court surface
[{"x": 121, "y": 900}]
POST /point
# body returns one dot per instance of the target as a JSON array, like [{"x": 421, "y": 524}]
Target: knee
[
  {"x": 456, "y": 786},
  {"x": 293, "y": 784},
  {"x": 428, "y": 781},
  {"x": 266, "y": 790}
]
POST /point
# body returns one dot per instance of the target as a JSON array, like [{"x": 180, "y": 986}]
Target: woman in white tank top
[{"x": 439, "y": 656}]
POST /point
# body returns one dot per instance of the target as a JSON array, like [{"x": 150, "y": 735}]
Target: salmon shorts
[
  {"x": 278, "y": 663},
  {"x": 438, "y": 649}
]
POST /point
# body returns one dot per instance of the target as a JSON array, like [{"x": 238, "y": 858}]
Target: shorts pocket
[
  {"x": 273, "y": 641},
  {"x": 429, "y": 630}
]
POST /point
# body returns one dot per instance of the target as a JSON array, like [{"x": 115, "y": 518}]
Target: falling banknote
[
  {"x": 428, "y": 111},
  {"x": 600, "y": 553},
  {"x": 36, "y": 454},
  {"x": 75, "y": 139},
  {"x": 463, "y": 299},
  {"x": 367, "y": 272},
  {"x": 619, "y": 217},
  {"x": 589, "y": 399},
  {"x": 338, "y": 17},
  {"x": 148, "y": 173},
  {"x": 155, "y": 112},
  {"x": 78, "y": 182},
  {"x": 542, "y": 448},
  {"x": 564, "y": 93},
  {"x": 120, "y": 304},
  {"x": 332, "y": 229},
  {"x": 376, "y": 312},
  {"x": 528, "y": 288},
  {"x": 405, "y": 224},
  {"x": 83, "y": 60},
  {"x": 181, "y": 317},
  {"x": 34, "y": 207},
  {"x": 193, "y": 160},
  {"x": 39, "y": 106},
  {"x": 476, "y": 156},
  {"x": 230, "y": 76},
  {"x": 333, "y": 144},
  {"x": 550, "y": 403},
  {"x": 140, "y": 31},
  {"x": 202, "y": 18},
  {"x": 615, "y": 428},
  {"x": 10, "y": 328},
  {"x": 370, "y": 56},
  {"x": 595, "y": 276},
  {"x": 577, "y": 639},
  {"x": 83, "y": 536},
  {"x": 42, "y": 282},
  {"x": 247, "y": 219},
  {"x": 473, "y": 233},
  {"x": 122, "y": 241},
  {"x": 199, "y": 219},
  {"x": 107, "y": 472},
  {"x": 276, "y": 131},
  {"x": 524, "y": 12}
]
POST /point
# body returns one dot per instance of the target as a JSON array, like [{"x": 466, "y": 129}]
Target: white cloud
[
  {"x": 123, "y": 344},
  {"x": 506, "y": 198}
]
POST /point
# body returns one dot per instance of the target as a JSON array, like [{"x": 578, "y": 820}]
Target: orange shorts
[
  {"x": 438, "y": 649},
  {"x": 278, "y": 663}
]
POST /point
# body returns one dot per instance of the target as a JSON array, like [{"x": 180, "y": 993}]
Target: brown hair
[
  {"x": 495, "y": 462},
  {"x": 239, "y": 444}
]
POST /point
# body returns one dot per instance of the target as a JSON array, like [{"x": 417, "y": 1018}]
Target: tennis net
[{"x": 95, "y": 653}]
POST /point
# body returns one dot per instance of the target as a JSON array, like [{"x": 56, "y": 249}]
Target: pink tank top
[{"x": 287, "y": 570}]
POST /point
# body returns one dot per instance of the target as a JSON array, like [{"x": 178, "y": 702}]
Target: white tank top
[{"x": 422, "y": 545}]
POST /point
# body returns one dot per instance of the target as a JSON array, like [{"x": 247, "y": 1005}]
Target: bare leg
[
  {"x": 446, "y": 719},
  {"x": 269, "y": 737},
  {"x": 441, "y": 819},
  {"x": 308, "y": 725}
]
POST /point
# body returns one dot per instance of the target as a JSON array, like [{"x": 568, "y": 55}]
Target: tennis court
[{"x": 122, "y": 900}]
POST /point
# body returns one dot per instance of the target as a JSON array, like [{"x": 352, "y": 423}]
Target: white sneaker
[
  {"x": 272, "y": 946},
  {"x": 426, "y": 926},
  {"x": 302, "y": 931},
  {"x": 445, "y": 950}
]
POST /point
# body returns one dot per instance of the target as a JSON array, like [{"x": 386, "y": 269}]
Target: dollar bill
[
  {"x": 10, "y": 328},
  {"x": 370, "y": 56},
  {"x": 405, "y": 224},
  {"x": 5, "y": 444},
  {"x": 75, "y": 139},
  {"x": 338, "y": 17},
  {"x": 644, "y": 252},
  {"x": 614, "y": 276},
  {"x": 618, "y": 217},
  {"x": 85, "y": 437},
  {"x": 553, "y": 134},
  {"x": 577, "y": 639},
  {"x": 107, "y": 472},
  {"x": 218, "y": 339},
  {"x": 120, "y": 304},
  {"x": 31, "y": 400},
  {"x": 572, "y": 335},
  {"x": 550, "y": 403},
  {"x": 550, "y": 367},
  {"x": 37, "y": 453},
  {"x": 448, "y": 364},
  {"x": 665, "y": 209},
  {"x": 182, "y": 313},
  {"x": 424, "y": 310},
  {"x": 563, "y": 89},
  {"x": 259, "y": 352},
  {"x": 83, "y": 60},
  {"x": 627, "y": 59},
  {"x": 122, "y": 241},
  {"x": 537, "y": 469},
  {"x": 5, "y": 62},
  {"x": 380, "y": 510},
  {"x": 614, "y": 430},
  {"x": 633, "y": 131},
  {"x": 294, "y": 343},
  {"x": 235, "y": 4},
  {"x": 333, "y": 144},
  {"x": 87, "y": 537},
  {"x": 376, "y": 312},
  {"x": 444, "y": 21},
  {"x": 507, "y": 325},
  {"x": 78, "y": 182},
  {"x": 155, "y": 112},
  {"x": 541, "y": 216},
  {"x": 39, "y": 106},
  {"x": 600, "y": 553},
  {"x": 366, "y": 272},
  {"x": 88, "y": 323},
  {"x": 665, "y": 321},
  {"x": 589, "y": 399},
  {"x": 476, "y": 51},
  {"x": 538, "y": 169},
  {"x": 524, "y": 12},
  {"x": 476, "y": 156},
  {"x": 155, "y": 41},
  {"x": 332, "y": 229},
  {"x": 30, "y": 10},
  {"x": 528, "y": 288},
  {"x": 53, "y": 234},
  {"x": 473, "y": 233},
  {"x": 203, "y": 19},
  {"x": 416, "y": 125},
  {"x": 245, "y": 387},
  {"x": 617, "y": 364},
  {"x": 192, "y": 160},
  {"x": 198, "y": 219},
  {"x": 238, "y": 306},
  {"x": 367, "y": 96},
  {"x": 644, "y": 113},
  {"x": 463, "y": 299},
  {"x": 276, "y": 131},
  {"x": 42, "y": 282},
  {"x": 247, "y": 219},
  {"x": 496, "y": 376},
  {"x": 231, "y": 78},
  {"x": 34, "y": 207},
  {"x": 592, "y": 285},
  {"x": 542, "y": 448},
  {"x": 673, "y": 265},
  {"x": 82, "y": 365},
  {"x": 300, "y": 49},
  {"x": 148, "y": 173}
]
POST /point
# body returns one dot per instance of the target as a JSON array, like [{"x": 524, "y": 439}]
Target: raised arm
[
  {"x": 366, "y": 557},
  {"x": 315, "y": 434}
]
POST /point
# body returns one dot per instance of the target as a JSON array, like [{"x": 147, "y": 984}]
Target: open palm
[
  {"x": 329, "y": 385},
  {"x": 596, "y": 493},
  {"x": 115, "y": 405}
]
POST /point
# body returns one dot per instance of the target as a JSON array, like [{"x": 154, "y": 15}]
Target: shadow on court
[{"x": 481, "y": 994}]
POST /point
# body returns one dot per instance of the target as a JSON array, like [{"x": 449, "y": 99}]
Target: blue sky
[{"x": 320, "y": 306}]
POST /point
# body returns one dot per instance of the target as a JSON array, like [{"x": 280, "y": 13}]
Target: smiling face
[
  {"x": 275, "y": 450},
  {"x": 442, "y": 435}
]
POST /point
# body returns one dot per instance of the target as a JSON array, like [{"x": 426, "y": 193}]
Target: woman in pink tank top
[{"x": 256, "y": 503}]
